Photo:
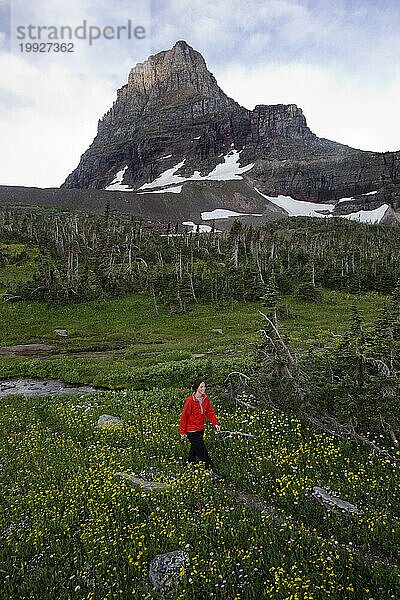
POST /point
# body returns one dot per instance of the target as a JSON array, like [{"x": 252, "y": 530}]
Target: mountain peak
[
  {"x": 171, "y": 78},
  {"x": 183, "y": 45},
  {"x": 167, "y": 64},
  {"x": 171, "y": 113}
]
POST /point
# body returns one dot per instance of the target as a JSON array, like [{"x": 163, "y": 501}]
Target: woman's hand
[
  {"x": 218, "y": 428},
  {"x": 183, "y": 435}
]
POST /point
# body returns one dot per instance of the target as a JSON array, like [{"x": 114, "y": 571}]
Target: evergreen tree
[{"x": 270, "y": 298}]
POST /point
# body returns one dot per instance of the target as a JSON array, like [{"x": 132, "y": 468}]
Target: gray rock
[
  {"x": 62, "y": 332},
  {"x": 40, "y": 387},
  {"x": 109, "y": 421},
  {"x": 165, "y": 571},
  {"x": 218, "y": 331},
  {"x": 143, "y": 483},
  {"x": 329, "y": 498},
  {"x": 174, "y": 91},
  {"x": 26, "y": 349}
]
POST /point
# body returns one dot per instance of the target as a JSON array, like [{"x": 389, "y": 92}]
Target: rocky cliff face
[
  {"x": 172, "y": 111},
  {"x": 279, "y": 121},
  {"x": 175, "y": 79},
  {"x": 170, "y": 105}
]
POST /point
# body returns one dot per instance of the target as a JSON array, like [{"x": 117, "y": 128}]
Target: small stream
[{"x": 40, "y": 387}]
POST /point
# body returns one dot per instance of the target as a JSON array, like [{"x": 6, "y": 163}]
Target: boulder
[
  {"x": 62, "y": 332},
  {"x": 326, "y": 497},
  {"x": 165, "y": 571},
  {"x": 109, "y": 421}
]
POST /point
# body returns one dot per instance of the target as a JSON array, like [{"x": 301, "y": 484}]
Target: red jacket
[{"x": 194, "y": 417}]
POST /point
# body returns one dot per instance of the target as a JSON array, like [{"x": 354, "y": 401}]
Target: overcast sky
[{"x": 337, "y": 61}]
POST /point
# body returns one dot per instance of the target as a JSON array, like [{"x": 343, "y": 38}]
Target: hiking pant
[{"x": 198, "y": 449}]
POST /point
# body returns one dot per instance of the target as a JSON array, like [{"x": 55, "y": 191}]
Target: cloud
[
  {"x": 337, "y": 61},
  {"x": 51, "y": 103},
  {"x": 361, "y": 35},
  {"x": 54, "y": 123},
  {"x": 336, "y": 106},
  {"x": 10, "y": 101},
  {"x": 101, "y": 55}
]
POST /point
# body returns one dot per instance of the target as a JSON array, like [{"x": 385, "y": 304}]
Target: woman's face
[{"x": 202, "y": 388}]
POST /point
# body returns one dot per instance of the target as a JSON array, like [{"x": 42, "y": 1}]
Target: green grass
[
  {"x": 314, "y": 324},
  {"x": 131, "y": 335},
  {"x": 17, "y": 272},
  {"x": 127, "y": 321},
  {"x": 73, "y": 529}
]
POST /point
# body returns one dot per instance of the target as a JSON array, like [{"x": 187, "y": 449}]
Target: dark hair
[{"x": 196, "y": 384}]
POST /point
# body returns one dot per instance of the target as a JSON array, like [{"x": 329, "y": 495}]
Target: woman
[{"x": 195, "y": 412}]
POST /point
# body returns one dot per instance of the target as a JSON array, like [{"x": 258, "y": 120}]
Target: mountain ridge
[{"x": 172, "y": 113}]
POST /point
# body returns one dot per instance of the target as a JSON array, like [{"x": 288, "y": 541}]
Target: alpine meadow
[{"x": 201, "y": 261}]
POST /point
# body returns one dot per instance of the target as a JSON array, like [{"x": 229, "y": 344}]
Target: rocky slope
[{"x": 172, "y": 110}]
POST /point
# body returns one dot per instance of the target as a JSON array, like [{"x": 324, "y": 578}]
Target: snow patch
[
  {"x": 352, "y": 197},
  {"x": 175, "y": 190},
  {"x": 171, "y": 234},
  {"x": 221, "y": 213},
  {"x": 164, "y": 157},
  {"x": 202, "y": 228},
  {"x": 225, "y": 171},
  {"x": 229, "y": 169},
  {"x": 117, "y": 185},
  {"x": 368, "y": 216},
  {"x": 298, "y": 208},
  {"x": 166, "y": 178}
]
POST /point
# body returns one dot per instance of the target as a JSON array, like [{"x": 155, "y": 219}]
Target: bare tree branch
[
  {"x": 230, "y": 433},
  {"x": 236, "y": 373},
  {"x": 246, "y": 404},
  {"x": 382, "y": 366},
  {"x": 278, "y": 336}
]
